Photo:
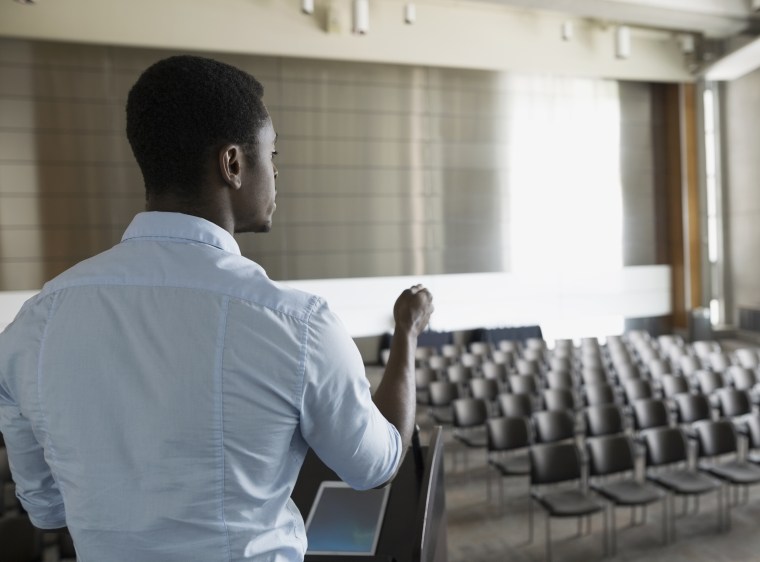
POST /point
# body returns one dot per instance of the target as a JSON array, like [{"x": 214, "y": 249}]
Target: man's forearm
[{"x": 395, "y": 397}]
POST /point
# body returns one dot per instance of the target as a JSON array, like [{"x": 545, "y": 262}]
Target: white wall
[
  {"x": 565, "y": 304},
  {"x": 463, "y": 34}
]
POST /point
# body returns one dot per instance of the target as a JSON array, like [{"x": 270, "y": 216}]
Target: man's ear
[{"x": 231, "y": 165}]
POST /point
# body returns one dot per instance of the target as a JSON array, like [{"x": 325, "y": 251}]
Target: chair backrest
[
  {"x": 599, "y": 393},
  {"x": 551, "y": 463},
  {"x": 502, "y": 357},
  {"x": 716, "y": 437},
  {"x": 563, "y": 343},
  {"x": 733, "y": 402},
  {"x": 650, "y": 412},
  {"x": 494, "y": 371},
  {"x": 423, "y": 353},
  {"x": 559, "y": 399},
  {"x": 442, "y": 393},
  {"x": 674, "y": 384},
  {"x": 509, "y": 346},
  {"x": 554, "y": 425},
  {"x": 753, "y": 429},
  {"x": 709, "y": 381},
  {"x": 593, "y": 375},
  {"x": 719, "y": 361},
  {"x": 627, "y": 371},
  {"x": 664, "y": 445},
  {"x": 591, "y": 360},
  {"x": 524, "y": 384},
  {"x": 423, "y": 376},
  {"x": 506, "y": 434},
  {"x": 747, "y": 357},
  {"x": 469, "y": 412},
  {"x": 451, "y": 350},
  {"x": 658, "y": 367},
  {"x": 741, "y": 378},
  {"x": 559, "y": 379},
  {"x": 603, "y": 419},
  {"x": 692, "y": 407},
  {"x": 515, "y": 405},
  {"x": 705, "y": 348},
  {"x": 689, "y": 365},
  {"x": 458, "y": 373},
  {"x": 485, "y": 389},
  {"x": 438, "y": 363},
  {"x": 535, "y": 343},
  {"x": 637, "y": 389},
  {"x": 610, "y": 454},
  {"x": 470, "y": 360},
  {"x": 526, "y": 366},
  {"x": 480, "y": 348},
  {"x": 560, "y": 364}
]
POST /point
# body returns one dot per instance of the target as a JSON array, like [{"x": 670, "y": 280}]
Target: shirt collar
[{"x": 155, "y": 224}]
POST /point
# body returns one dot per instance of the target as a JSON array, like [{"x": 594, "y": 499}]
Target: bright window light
[{"x": 564, "y": 176}]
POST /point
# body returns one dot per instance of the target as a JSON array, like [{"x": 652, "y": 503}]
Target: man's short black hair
[{"x": 183, "y": 108}]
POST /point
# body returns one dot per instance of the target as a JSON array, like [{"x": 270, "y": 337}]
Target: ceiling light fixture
[
  {"x": 622, "y": 41},
  {"x": 567, "y": 30},
  {"x": 410, "y": 13},
  {"x": 307, "y": 6},
  {"x": 360, "y": 16}
]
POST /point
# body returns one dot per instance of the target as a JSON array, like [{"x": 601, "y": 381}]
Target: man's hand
[
  {"x": 413, "y": 309},
  {"x": 395, "y": 396}
]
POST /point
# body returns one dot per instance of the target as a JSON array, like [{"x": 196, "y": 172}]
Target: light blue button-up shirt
[{"x": 160, "y": 397}]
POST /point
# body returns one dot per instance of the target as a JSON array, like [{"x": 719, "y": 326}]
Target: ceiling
[{"x": 715, "y": 19}]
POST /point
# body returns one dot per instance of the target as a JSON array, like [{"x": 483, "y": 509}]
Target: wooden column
[{"x": 678, "y": 201}]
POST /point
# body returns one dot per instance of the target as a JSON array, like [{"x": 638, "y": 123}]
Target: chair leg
[
  {"x": 665, "y": 520},
  {"x": 488, "y": 482},
  {"x": 530, "y": 520},
  {"x": 728, "y": 510},
  {"x": 613, "y": 535},
  {"x": 606, "y": 532},
  {"x": 501, "y": 494},
  {"x": 548, "y": 538}
]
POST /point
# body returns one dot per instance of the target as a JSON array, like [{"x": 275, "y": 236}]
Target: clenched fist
[{"x": 413, "y": 309}]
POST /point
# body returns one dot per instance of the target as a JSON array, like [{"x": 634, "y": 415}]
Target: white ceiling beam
[
  {"x": 735, "y": 64},
  {"x": 713, "y": 18}
]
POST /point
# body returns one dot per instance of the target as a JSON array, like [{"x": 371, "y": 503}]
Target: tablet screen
[{"x": 345, "y": 521}]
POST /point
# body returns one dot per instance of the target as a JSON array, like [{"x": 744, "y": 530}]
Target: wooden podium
[{"x": 414, "y": 526}]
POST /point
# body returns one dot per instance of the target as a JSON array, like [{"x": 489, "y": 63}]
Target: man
[{"x": 159, "y": 398}]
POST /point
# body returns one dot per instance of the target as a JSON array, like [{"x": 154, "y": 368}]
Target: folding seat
[
  {"x": 507, "y": 439},
  {"x": 747, "y": 357},
  {"x": 717, "y": 439},
  {"x": 553, "y": 425},
  {"x": 599, "y": 393},
  {"x": 441, "y": 395},
  {"x": 614, "y": 455},
  {"x": 515, "y": 405},
  {"x": 553, "y": 464},
  {"x": 603, "y": 419},
  {"x": 468, "y": 423},
  {"x": 667, "y": 466},
  {"x": 649, "y": 413},
  {"x": 486, "y": 390}
]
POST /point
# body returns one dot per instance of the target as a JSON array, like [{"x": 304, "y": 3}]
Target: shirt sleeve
[
  {"x": 339, "y": 420},
  {"x": 35, "y": 486}
]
